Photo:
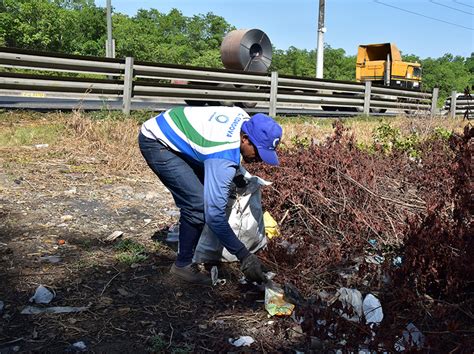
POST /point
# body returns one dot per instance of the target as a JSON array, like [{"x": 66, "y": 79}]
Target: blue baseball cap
[{"x": 265, "y": 134}]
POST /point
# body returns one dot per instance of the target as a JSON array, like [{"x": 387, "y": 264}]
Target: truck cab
[{"x": 382, "y": 64}]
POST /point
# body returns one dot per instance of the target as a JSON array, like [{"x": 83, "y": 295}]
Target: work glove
[{"x": 253, "y": 269}]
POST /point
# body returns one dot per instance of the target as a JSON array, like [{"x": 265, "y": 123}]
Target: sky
[{"x": 426, "y": 28}]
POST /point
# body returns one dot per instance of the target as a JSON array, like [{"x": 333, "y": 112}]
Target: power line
[
  {"x": 461, "y": 3},
  {"x": 452, "y": 8},
  {"x": 418, "y": 14}
]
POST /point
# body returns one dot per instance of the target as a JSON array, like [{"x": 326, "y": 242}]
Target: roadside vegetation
[
  {"x": 380, "y": 205},
  {"x": 79, "y": 27}
]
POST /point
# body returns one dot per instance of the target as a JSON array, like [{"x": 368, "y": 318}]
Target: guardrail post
[
  {"x": 273, "y": 93},
  {"x": 434, "y": 101},
  {"x": 127, "y": 86},
  {"x": 367, "y": 94},
  {"x": 452, "y": 108}
]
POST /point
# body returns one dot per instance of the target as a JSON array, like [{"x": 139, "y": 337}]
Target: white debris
[
  {"x": 114, "y": 235},
  {"x": 351, "y": 299},
  {"x": 67, "y": 218},
  {"x": 372, "y": 309},
  {"x": 147, "y": 221},
  {"x": 32, "y": 310},
  {"x": 173, "y": 233},
  {"x": 375, "y": 259},
  {"x": 412, "y": 338},
  {"x": 215, "y": 277},
  {"x": 242, "y": 341},
  {"x": 71, "y": 191},
  {"x": 80, "y": 345},
  {"x": 51, "y": 259},
  {"x": 41, "y": 146},
  {"x": 42, "y": 296}
]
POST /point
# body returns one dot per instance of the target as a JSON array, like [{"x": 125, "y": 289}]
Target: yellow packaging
[
  {"x": 275, "y": 304},
  {"x": 271, "y": 226}
]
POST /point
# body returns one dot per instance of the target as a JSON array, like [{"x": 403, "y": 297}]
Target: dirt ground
[
  {"x": 52, "y": 205},
  {"x": 67, "y": 182}
]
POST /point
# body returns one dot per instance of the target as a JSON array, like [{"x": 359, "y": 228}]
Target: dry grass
[{"x": 110, "y": 144}]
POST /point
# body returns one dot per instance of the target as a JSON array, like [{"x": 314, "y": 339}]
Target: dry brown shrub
[{"x": 337, "y": 204}]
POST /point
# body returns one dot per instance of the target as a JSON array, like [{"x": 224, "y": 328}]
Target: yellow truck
[{"x": 382, "y": 64}]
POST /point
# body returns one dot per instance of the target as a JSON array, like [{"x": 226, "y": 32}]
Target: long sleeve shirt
[{"x": 210, "y": 136}]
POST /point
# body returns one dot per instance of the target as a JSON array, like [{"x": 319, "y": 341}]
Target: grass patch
[
  {"x": 130, "y": 252},
  {"x": 14, "y": 135}
]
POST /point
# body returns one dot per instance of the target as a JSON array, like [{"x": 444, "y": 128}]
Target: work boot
[{"x": 191, "y": 274}]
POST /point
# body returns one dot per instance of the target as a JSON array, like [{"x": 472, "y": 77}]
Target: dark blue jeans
[{"x": 184, "y": 179}]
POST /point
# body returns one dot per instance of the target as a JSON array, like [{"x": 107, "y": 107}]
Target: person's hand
[{"x": 253, "y": 269}]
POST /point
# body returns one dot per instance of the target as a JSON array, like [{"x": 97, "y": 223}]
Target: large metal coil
[{"x": 247, "y": 50}]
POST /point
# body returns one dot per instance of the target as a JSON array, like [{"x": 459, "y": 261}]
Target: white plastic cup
[{"x": 173, "y": 233}]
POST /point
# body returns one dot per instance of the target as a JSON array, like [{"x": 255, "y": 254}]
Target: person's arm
[{"x": 218, "y": 175}]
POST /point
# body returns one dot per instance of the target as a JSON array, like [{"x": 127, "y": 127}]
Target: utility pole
[
  {"x": 109, "y": 50},
  {"x": 320, "y": 49}
]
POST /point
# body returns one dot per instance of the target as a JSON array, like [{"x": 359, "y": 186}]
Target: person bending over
[{"x": 196, "y": 152}]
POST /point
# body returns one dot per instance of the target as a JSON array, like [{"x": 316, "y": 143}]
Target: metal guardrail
[
  {"x": 126, "y": 84},
  {"x": 463, "y": 105}
]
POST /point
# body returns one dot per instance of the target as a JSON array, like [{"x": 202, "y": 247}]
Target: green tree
[
  {"x": 448, "y": 73},
  {"x": 338, "y": 66},
  {"x": 294, "y": 61}
]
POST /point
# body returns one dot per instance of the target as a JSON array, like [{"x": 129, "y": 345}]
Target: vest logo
[{"x": 233, "y": 126}]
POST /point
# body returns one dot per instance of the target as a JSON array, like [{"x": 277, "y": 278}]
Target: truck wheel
[{"x": 378, "y": 110}]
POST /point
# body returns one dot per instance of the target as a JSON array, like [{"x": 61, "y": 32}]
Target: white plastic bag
[{"x": 245, "y": 215}]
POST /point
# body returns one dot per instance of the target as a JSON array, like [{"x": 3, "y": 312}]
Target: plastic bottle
[{"x": 173, "y": 233}]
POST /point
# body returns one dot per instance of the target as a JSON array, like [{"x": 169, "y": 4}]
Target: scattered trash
[
  {"x": 373, "y": 242},
  {"x": 51, "y": 259},
  {"x": 290, "y": 247},
  {"x": 42, "y": 295},
  {"x": 113, "y": 236},
  {"x": 41, "y": 146},
  {"x": 412, "y": 337},
  {"x": 173, "y": 233},
  {"x": 80, "y": 345},
  {"x": 375, "y": 259},
  {"x": 32, "y": 310},
  {"x": 67, "y": 217},
  {"x": 77, "y": 347},
  {"x": 295, "y": 332},
  {"x": 242, "y": 341},
  {"x": 172, "y": 212},
  {"x": 292, "y": 294},
  {"x": 397, "y": 261},
  {"x": 275, "y": 303},
  {"x": 215, "y": 277},
  {"x": 71, "y": 191},
  {"x": 147, "y": 221},
  {"x": 271, "y": 226},
  {"x": 372, "y": 309},
  {"x": 61, "y": 242},
  {"x": 350, "y": 299}
]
